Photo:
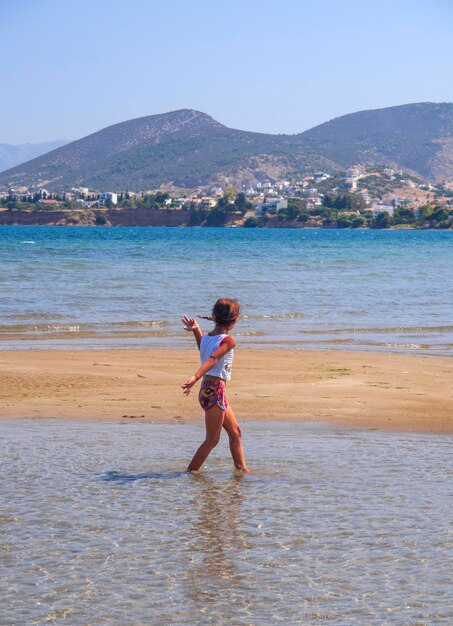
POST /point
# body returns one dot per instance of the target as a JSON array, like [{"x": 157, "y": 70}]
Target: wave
[
  {"x": 85, "y": 330},
  {"x": 39, "y": 328},
  {"x": 35, "y": 315},
  {"x": 142, "y": 324},
  {"x": 273, "y": 316},
  {"x": 379, "y": 329}
]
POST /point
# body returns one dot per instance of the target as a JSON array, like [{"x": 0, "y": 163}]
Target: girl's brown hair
[{"x": 225, "y": 311}]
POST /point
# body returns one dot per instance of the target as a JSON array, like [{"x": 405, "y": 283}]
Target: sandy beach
[{"x": 357, "y": 389}]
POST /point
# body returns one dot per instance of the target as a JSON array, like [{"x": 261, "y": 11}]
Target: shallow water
[
  {"x": 99, "y": 525},
  {"x": 65, "y": 287}
]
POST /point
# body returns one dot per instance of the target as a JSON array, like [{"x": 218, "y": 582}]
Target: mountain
[
  {"x": 187, "y": 148},
  {"x": 416, "y": 137},
  {"x": 11, "y": 155},
  {"x": 183, "y": 148}
]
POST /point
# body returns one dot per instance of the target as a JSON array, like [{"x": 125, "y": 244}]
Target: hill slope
[
  {"x": 418, "y": 137},
  {"x": 188, "y": 148}
]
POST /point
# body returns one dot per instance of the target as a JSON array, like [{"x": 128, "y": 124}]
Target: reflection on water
[
  {"x": 216, "y": 544},
  {"x": 101, "y": 524}
]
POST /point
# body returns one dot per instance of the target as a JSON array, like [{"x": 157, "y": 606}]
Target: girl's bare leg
[
  {"x": 213, "y": 419},
  {"x": 232, "y": 427}
]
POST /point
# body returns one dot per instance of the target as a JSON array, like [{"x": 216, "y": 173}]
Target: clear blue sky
[{"x": 71, "y": 67}]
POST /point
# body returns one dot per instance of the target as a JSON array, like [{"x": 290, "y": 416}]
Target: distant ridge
[
  {"x": 12, "y": 155},
  {"x": 188, "y": 148}
]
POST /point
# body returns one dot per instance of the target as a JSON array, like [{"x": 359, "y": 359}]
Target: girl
[{"x": 216, "y": 356}]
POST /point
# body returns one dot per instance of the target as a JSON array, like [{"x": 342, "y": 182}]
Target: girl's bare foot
[{"x": 242, "y": 468}]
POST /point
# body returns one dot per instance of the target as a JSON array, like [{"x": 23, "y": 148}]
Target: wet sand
[{"x": 357, "y": 389}]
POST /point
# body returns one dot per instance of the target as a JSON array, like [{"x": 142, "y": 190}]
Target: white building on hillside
[
  {"x": 381, "y": 208},
  {"x": 107, "y": 195},
  {"x": 272, "y": 205}
]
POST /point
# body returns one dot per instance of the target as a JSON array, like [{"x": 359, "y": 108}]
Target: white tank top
[{"x": 209, "y": 344}]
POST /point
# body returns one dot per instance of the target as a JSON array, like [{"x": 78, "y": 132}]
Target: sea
[
  {"x": 93, "y": 287},
  {"x": 101, "y": 526}
]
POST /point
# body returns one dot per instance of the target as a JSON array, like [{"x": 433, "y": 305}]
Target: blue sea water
[{"x": 128, "y": 287}]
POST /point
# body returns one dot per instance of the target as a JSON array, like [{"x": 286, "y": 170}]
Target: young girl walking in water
[{"x": 216, "y": 357}]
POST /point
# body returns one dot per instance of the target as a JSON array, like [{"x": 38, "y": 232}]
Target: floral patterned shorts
[{"x": 212, "y": 393}]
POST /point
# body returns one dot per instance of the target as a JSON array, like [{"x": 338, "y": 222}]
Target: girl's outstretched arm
[
  {"x": 191, "y": 325},
  {"x": 227, "y": 344}
]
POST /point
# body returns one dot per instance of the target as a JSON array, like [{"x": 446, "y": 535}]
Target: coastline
[
  {"x": 164, "y": 218},
  {"x": 409, "y": 393}
]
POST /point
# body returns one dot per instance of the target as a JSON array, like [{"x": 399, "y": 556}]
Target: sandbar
[{"x": 353, "y": 389}]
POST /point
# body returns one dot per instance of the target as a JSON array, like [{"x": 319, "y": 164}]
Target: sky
[{"x": 71, "y": 67}]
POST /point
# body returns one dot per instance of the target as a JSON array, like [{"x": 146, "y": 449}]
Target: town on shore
[{"x": 365, "y": 196}]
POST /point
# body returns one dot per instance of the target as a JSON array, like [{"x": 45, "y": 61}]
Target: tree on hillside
[
  {"x": 348, "y": 202},
  {"x": 223, "y": 202},
  {"x": 344, "y": 221},
  {"x": 358, "y": 221},
  {"x": 343, "y": 201},
  {"x": 403, "y": 216},
  {"x": 328, "y": 214},
  {"x": 295, "y": 208},
  {"x": 100, "y": 219},
  {"x": 230, "y": 194},
  {"x": 329, "y": 200},
  {"x": 229, "y": 202},
  {"x": 161, "y": 197},
  {"x": 439, "y": 218},
  {"x": 382, "y": 220},
  {"x": 250, "y": 222},
  {"x": 217, "y": 217},
  {"x": 196, "y": 216},
  {"x": 150, "y": 201},
  {"x": 242, "y": 204},
  {"x": 423, "y": 213}
]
